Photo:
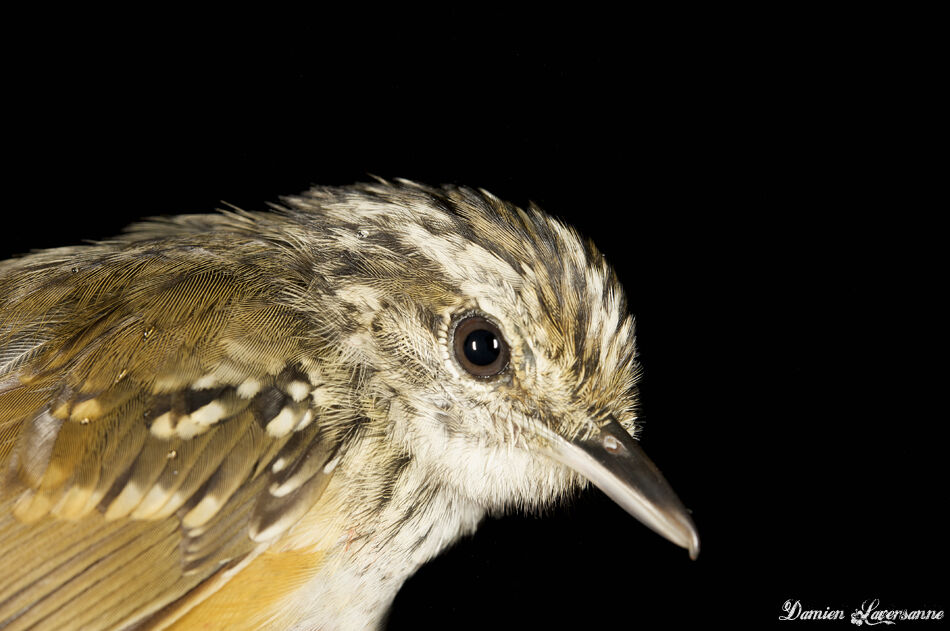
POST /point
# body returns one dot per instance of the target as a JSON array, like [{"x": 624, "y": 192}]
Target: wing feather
[{"x": 156, "y": 426}]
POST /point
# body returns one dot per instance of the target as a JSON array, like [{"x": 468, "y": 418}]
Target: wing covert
[{"x": 152, "y": 412}]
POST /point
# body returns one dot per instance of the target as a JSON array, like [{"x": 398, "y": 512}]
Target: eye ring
[{"x": 479, "y": 347}]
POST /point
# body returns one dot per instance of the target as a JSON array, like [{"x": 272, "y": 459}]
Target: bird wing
[{"x": 156, "y": 429}]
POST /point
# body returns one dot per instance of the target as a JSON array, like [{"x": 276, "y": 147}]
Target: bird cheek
[{"x": 425, "y": 434}]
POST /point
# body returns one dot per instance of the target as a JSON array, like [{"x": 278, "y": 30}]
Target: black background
[{"x": 765, "y": 189}]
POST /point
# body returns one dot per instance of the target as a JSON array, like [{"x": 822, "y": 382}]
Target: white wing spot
[
  {"x": 208, "y": 381},
  {"x": 162, "y": 426},
  {"x": 330, "y": 466},
  {"x": 307, "y": 418},
  {"x": 249, "y": 388},
  {"x": 282, "y": 423},
  {"x": 210, "y": 413},
  {"x": 202, "y": 512},
  {"x": 298, "y": 390}
]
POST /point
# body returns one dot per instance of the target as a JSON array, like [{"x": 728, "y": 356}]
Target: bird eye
[{"x": 480, "y": 347}]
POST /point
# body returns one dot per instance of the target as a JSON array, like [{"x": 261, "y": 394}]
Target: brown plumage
[{"x": 259, "y": 419}]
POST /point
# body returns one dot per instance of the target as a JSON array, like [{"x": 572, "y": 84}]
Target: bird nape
[{"x": 269, "y": 420}]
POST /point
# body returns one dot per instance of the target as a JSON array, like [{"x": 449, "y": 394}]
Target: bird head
[{"x": 501, "y": 352}]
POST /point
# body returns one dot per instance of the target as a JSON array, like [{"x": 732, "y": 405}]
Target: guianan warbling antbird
[{"x": 270, "y": 420}]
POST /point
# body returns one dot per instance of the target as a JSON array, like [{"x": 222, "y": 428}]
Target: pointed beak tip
[
  {"x": 683, "y": 532},
  {"x": 614, "y": 462},
  {"x": 694, "y": 545}
]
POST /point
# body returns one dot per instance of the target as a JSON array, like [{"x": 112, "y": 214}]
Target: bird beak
[{"x": 616, "y": 464}]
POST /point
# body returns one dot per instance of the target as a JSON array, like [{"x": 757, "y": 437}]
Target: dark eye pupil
[{"x": 482, "y": 347}]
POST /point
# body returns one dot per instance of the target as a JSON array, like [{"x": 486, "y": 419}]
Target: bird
[{"x": 270, "y": 419}]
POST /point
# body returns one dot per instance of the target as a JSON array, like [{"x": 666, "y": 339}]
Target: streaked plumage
[{"x": 254, "y": 420}]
